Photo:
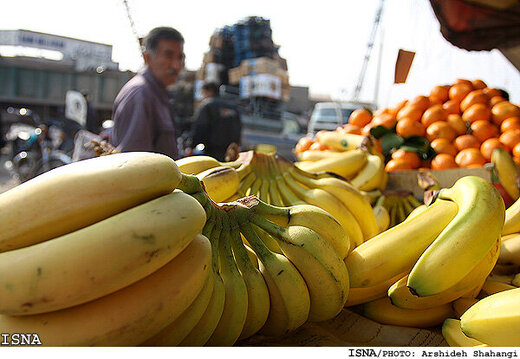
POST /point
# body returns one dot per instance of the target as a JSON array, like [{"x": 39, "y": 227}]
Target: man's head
[
  {"x": 209, "y": 89},
  {"x": 164, "y": 54}
]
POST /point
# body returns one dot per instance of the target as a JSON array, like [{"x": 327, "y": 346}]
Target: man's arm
[{"x": 133, "y": 128}]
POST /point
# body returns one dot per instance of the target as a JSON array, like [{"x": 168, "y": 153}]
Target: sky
[{"x": 323, "y": 42}]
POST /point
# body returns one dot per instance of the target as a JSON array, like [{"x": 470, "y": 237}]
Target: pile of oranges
[{"x": 463, "y": 122}]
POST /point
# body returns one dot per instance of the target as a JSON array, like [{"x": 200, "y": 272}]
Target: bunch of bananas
[
  {"x": 101, "y": 252},
  {"x": 350, "y": 156},
  {"x": 273, "y": 269},
  {"x": 396, "y": 205},
  {"x": 507, "y": 172},
  {"x": 278, "y": 182},
  {"x": 411, "y": 274}
]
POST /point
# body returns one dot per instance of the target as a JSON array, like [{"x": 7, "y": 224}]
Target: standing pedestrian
[{"x": 141, "y": 114}]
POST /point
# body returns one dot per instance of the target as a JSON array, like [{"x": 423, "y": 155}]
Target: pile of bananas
[
  {"x": 505, "y": 175},
  {"x": 411, "y": 274},
  {"x": 273, "y": 269},
  {"x": 394, "y": 206},
  {"x": 350, "y": 156},
  {"x": 102, "y": 252},
  {"x": 276, "y": 181}
]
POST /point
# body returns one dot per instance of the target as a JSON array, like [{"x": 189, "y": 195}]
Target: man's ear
[{"x": 146, "y": 57}]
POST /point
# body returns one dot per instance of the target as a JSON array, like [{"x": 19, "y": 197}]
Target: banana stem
[
  {"x": 270, "y": 227},
  {"x": 190, "y": 184}
]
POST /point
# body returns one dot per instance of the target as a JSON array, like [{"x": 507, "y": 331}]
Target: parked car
[{"x": 329, "y": 115}]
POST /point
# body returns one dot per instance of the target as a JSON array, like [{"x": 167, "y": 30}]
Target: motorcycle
[{"x": 33, "y": 147}]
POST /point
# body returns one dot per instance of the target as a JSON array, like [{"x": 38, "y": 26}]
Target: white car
[{"x": 329, "y": 115}]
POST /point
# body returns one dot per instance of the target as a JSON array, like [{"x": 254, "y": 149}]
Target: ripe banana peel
[
  {"x": 372, "y": 175},
  {"x": 193, "y": 165},
  {"x": 341, "y": 141},
  {"x": 465, "y": 240},
  {"x": 512, "y": 219},
  {"x": 507, "y": 171},
  {"x": 396, "y": 250},
  {"x": 454, "y": 336},
  {"x": 494, "y": 320},
  {"x": 220, "y": 182},
  {"x": 346, "y": 164},
  {"x": 79, "y": 194}
]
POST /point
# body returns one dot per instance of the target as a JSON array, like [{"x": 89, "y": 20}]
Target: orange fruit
[
  {"x": 360, "y": 117},
  {"x": 420, "y": 101},
  {"x": 443, "y": 161},
  {"x": 510, "y": 138},
  {"x": 397, "y": 107},
  {"x": 303, "y": 144},
  {"x": 397, "y": 165},
  {"x": 516, "y": 151},
  {"x": 349, "y": 128},
  {"x": 488, "y": 146},
  {"x": 439, "y": 94},
  {"x": 491, "y": 92},
  {"x": 510, "y": 123},
  {"x": 466, "y": 141},
  {"x": 474, "y": 97},
  {"x": 470, "y": 157},
  {"x": 463, "y": 81},
  {"x": 442, "y": 145},
  {"x": 433, "y": 114},
  {"x": 385, "y": 120},
  {"x": 458, "y": 124},
  {"x": 483, "y": 130},
  {"x": 408, "y": 127},
  {"x": 458, "y": 91},
  {"x": 408, "y": 156},
  {"x": 478, "y": 84},
  {"x": 410, "y": 111},
  {"x": 503, "y": 110},
  {"x": 451, "y": 107},
  {"x": 517, "y": 160},
  {"x": 494, "y": 100},
  {"x": 365, "y": 131},
  {"x": 440, "y": 129},
  {"x": 476, "y": 112}
]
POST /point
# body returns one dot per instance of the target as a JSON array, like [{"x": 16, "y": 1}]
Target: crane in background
[{"x": 366, "y": 59}]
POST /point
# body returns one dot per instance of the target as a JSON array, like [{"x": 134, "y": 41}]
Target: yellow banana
[
  {"x": 257, "y": 292},
  {"x": 99, "y": 259},
  {"x": 201, "y": 332},
  {"x": 220, "y": 182},
  {"x": 491, "y": 287},
  {"x": 129, "y": 316},
  {"x": 508, "y": 172},
  {"x": 512, "y": 220},
  {"x": 311, "y": 217},
  {"x": 382, "y": 216},
  {"x": 288, "y": 293},
  {"x": 454, "y": 336},
  {"x": 234, "y": 315},
  {"x": 462, "y": 304},
  {"x": 82, "y": 193},
  {"x": 367, "y": 294},
  {"x": 246, "y": 183},
  {"x": 175, "y": 332},
  {"x": 480, "y": 206},
  {"x": 371, "y": 176},
  {"x": 193, "y": 165},
  {"x": 516, "y": 280},
  {"x": 382, "y": 311},
  {"x": 355, "y": 202},
  {"x": 341, "y": 141},
  {"x": 347, "y": 165},
  {"x": 275, "y": 198},
  {"x": 263, "y": 193},
  {"x": 416, "y": 211},
  {"x": 397, "y": 249},
  {"x": 510, "y": 251},
  {"x": 401, "y": 216},
  {"x": 494, "y": 320},
  {"x": 320, "y": 266},
  {"x": 403, "y": 298},
  {"x": 316, "y": 155},
  {"x": 329, "y": 203}
]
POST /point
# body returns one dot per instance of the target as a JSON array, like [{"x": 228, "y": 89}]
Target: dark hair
[
  {"x": 210, "y": 86},
  {"x": 161, "y": 33}
]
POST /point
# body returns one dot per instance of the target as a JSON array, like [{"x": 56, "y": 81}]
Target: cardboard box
[
  {"x": 209, "y": 57},
  {"x": 216, "y": 41},
  {"x": 408, "y": 179},
  {"x": 259, "y": 65},
  {"x": 245, "y": 86},
  {"x": 234, "y": 75},
  {"x": 212, "y": 73},
  {"x": 266, "y": 85}
]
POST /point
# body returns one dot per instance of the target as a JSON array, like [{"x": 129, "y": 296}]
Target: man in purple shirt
[{"x": 142, "y": 118}]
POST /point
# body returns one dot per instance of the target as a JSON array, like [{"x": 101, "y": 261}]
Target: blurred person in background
[
  {"x": 217, "y": 126},
  {"x": 93, "y": 123},
  {"x": 141, "y": 114}
]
